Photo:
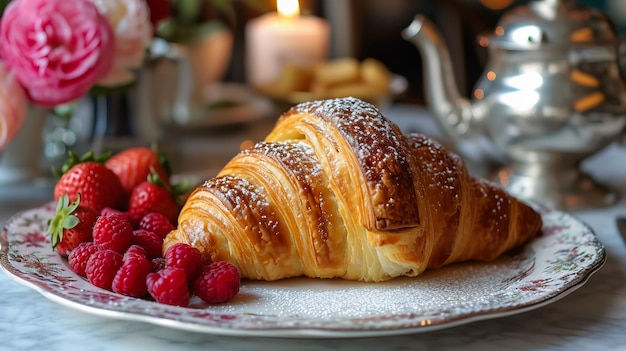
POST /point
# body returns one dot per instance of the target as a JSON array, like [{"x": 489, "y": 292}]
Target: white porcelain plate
[{"x": 545, "y": 270}]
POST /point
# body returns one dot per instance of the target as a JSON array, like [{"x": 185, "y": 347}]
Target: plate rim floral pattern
[{"x": 547, "y": 269}]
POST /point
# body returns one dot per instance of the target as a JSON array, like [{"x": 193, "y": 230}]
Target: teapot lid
[{"x": 545, "y": 23}]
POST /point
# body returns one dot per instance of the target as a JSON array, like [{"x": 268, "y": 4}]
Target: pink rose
[
  {"x": 57, "y": 48},
  {"x": 13, "y": 105},
  {"x": 130, "y": 20}
]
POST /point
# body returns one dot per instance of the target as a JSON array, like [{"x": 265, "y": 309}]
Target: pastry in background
[{"x": 369, "y": 80}]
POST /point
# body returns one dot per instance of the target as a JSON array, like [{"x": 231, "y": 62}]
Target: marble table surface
[{"x": 591, "y": 318}]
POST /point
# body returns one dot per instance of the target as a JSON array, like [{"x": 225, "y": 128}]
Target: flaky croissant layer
[{"x": 337, "y": 191}]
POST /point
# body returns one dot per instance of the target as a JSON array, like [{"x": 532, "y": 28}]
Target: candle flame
[{"x": 288, "y": 8}]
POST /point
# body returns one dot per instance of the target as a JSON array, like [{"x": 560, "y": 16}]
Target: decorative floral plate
[{"x": 545, "y": 270}]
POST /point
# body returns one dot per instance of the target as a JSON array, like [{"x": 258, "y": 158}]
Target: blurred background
[
  {"x": 195, "y": 85},
  {"x": 371, "y": 28}
]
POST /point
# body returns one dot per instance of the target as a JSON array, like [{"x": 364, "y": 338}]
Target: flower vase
[
  {"x": 209, "y": 58},
  {"x": 21, "y": 160},
  {"x": 68, "y": 128},
  {"x": 185, "y": 72}
]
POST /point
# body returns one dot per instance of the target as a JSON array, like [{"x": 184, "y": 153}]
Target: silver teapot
[{"x": 551, "y": 95}]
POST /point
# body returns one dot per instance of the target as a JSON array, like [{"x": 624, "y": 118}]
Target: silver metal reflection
[{"x": 552, "y": 94}]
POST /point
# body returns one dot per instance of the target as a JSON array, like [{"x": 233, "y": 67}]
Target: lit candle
[{"x": 275, "y": 39}]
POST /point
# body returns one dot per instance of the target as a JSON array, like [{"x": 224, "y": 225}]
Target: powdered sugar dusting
[
  {"x": 382, "y": 153},
  {"x": 376, "y": 139},
  {"x": 299, "y": 159},
  {"x": 329, "y": 299},
  {"x": 295, "y": 156},
  {"x": 442, "y": 169},
  {"x": 248, "y": 201}
]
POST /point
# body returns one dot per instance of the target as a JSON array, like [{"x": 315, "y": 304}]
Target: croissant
[{"x": 337, "y": 191}]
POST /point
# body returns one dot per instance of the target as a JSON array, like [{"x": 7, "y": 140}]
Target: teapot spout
[{"x": 454, "y": 114}]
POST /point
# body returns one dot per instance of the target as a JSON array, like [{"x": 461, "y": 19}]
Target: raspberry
[
  {"x": 102, "y": 267},
  {"x": 157, "y": 264},
  {"x": 109, "y": 211},
  {"x": 130, "y": 279},
  {"x": 113, "y": 232},
  {"x": 169, "y": 286},
  {"x": 218, "y": 282},
  {"x": 80, "y": 255},
  {"x": 185, "y": 256},
  {"x": 151, "y": 242},
  {"x": 135, "y": 250},
  {"x": 157, "y": 223}
]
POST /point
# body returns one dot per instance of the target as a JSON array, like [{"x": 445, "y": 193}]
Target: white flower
[{"x": 131, "y": 24}]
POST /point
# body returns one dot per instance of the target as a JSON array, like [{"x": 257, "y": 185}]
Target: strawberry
[
  {"x": 133, "y": 166},
  {"x": 99, "y": 186},
  {"x": 152, "y": 196},
  {"x": 71, "y": 225}
]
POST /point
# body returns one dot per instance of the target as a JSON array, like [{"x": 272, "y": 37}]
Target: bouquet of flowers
[{"x": 53, "y": 52}]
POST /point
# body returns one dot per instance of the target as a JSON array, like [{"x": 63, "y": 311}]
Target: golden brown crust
[
  {"x": 443, "y": 178},
  {"x": 242, "y": 226},
  {"x": 337, "y": 191},
  {"x": 375, "y": 145},
  {"x": 304, "y": 184}
]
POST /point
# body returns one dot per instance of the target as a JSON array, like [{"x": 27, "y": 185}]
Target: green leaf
[
  {"x": 99, "y": 90},
  {"x": 164, "y": 161},
  {"x": 65, "y": 111},
  {"x": 174, "y": 31},
  {"x": 55, "y": 240},
  {"x": 182, "y": 187},
  {"x": 154, "y": 178},
  {"x": 70, "y": 221},
  {"x": 60, "y": 203},
  {"x": 55, "y": 227},
  {"x": 3, "y": 5},
  {"x": 74, "y": 159},
  {"x": 188, "y": 23},
  {"x": 63, "y": 219},
  {"x": 187, "y": 10},
  {"x": 226, "y": 8},
  {"x": 70, "y": 208}
]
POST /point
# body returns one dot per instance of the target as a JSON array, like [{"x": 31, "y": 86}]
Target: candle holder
[{"x": 276, "y": 39}]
